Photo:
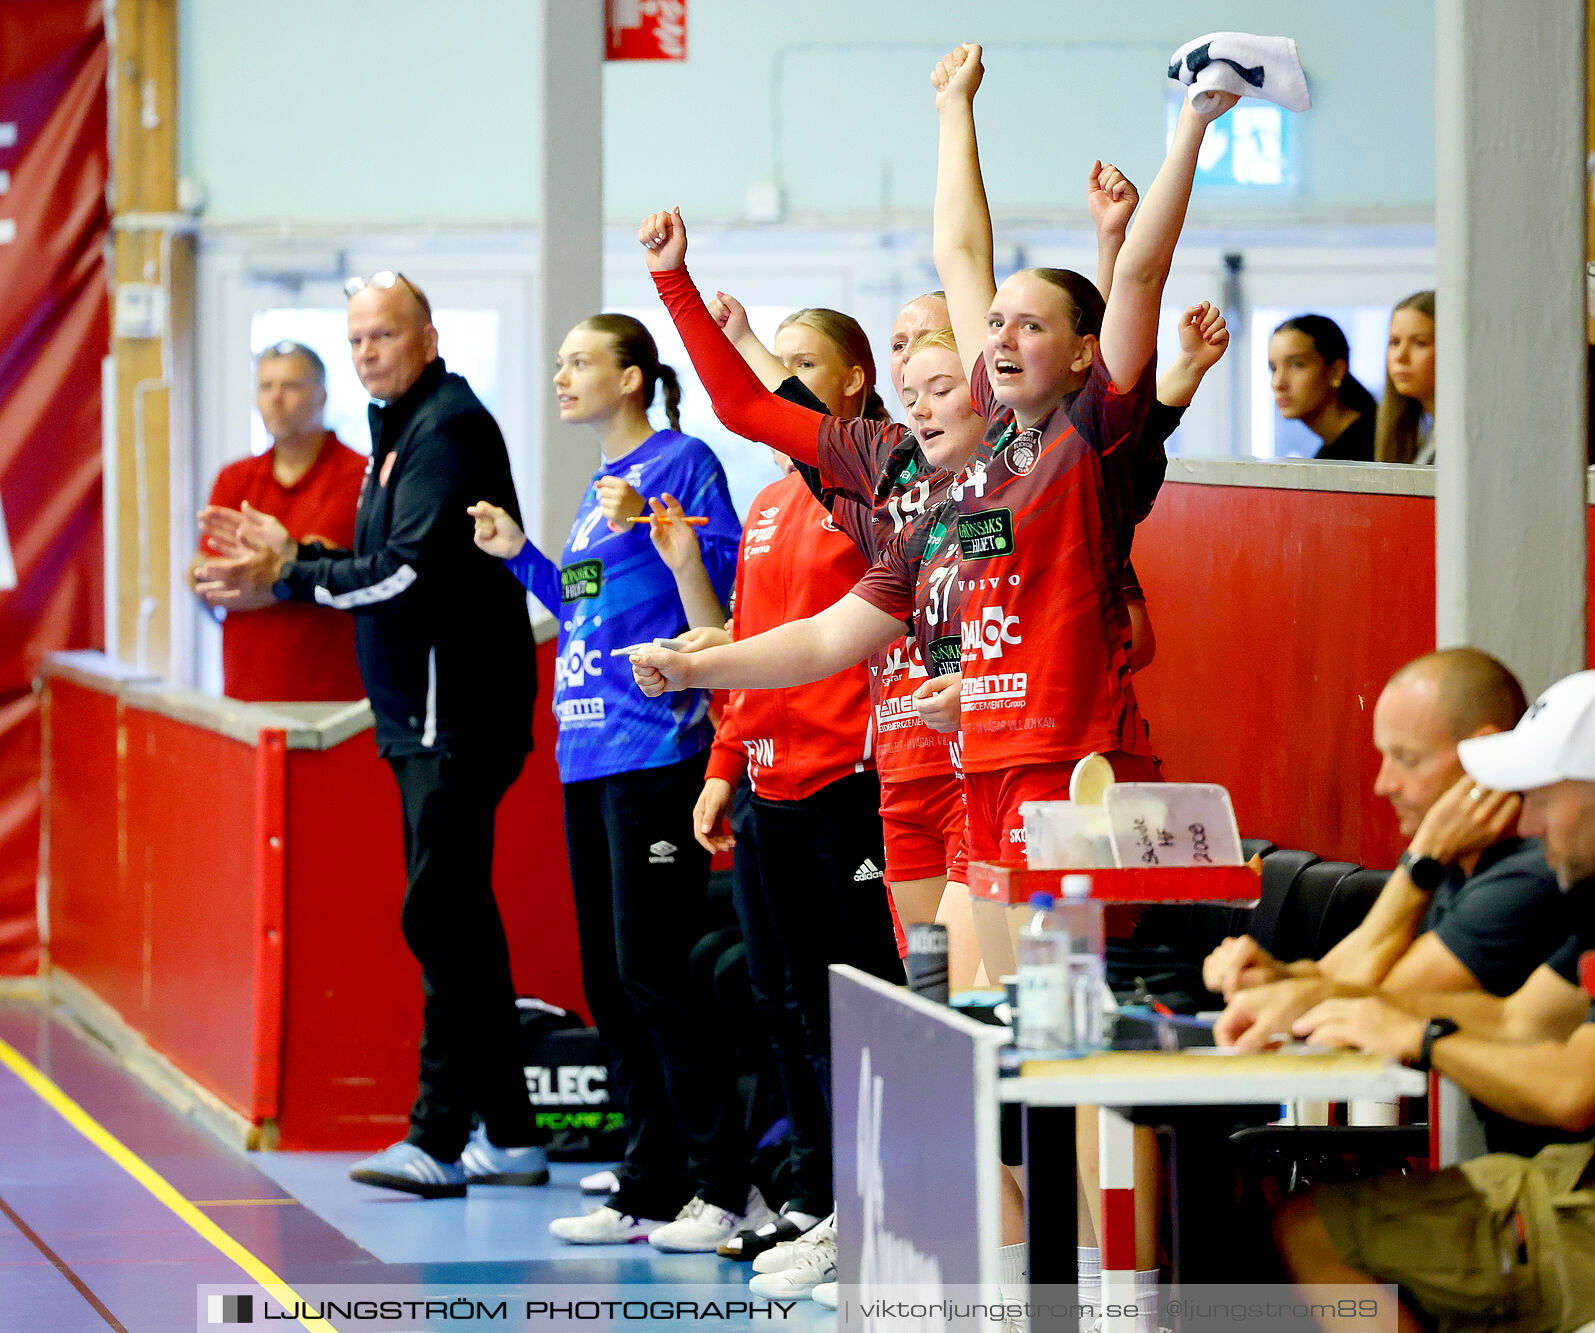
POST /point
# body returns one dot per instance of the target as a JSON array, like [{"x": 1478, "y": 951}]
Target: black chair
[
  {"x": 1313, "y": 909},
  {"x": 1210, "y": 925},
  {"x": 1301, "y": 920},
  {"x": 1296, "y": 1156},
  {"x": 1281, "y": 871},
  {"x": 1348, "y": 905},
  {"x": 1251, "y": 847}
]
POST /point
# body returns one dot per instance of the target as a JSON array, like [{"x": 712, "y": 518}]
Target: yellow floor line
[{"x": 156, "y": 1184}]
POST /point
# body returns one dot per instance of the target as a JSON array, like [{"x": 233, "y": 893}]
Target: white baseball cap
[{"x": 1554, "y": 741}]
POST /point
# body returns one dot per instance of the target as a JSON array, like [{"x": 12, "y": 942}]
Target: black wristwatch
[
  {"x": 1426, "y": 872},
  {"x": 1433, "y": 1030}
]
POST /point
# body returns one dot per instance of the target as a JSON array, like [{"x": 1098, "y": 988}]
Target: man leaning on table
[
  {"x": 1473, "y": 905},
  {"x": 1501, "y": 1242}
]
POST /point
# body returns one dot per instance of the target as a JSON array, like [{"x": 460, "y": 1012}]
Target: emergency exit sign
[{"x": 646, "y": 30}]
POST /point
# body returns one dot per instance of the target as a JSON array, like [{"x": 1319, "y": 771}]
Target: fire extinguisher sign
[{"x": 646, "y": 30}]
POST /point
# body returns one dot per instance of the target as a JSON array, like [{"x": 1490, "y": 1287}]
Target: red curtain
[{"x": 54, "y": 333}]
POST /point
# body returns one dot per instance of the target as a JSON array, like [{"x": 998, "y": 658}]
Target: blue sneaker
[
  {"x": 487, "y": 1164},
  {"x": 412, "y": 1170}
]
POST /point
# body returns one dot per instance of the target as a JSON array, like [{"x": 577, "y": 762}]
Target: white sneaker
[
  {"x": 604, "y": 1226},
  {"x": 698, "y": 1228},
  {"x": 790, "y": 1253},
  {"x": 827, "y": 1294},
  {"x": 600, "y": 1182},
  {"x": 816, "y": 1265},
  {"x": 702, "y": 1228}
]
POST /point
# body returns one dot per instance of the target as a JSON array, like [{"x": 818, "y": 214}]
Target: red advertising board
[{"x": 646, "y": 30}]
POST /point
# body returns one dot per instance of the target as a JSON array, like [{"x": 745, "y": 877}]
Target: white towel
[{"x": 1238, "y": 62}]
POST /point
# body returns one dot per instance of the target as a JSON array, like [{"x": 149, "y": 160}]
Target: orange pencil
[{"x": 693, "y": 520}]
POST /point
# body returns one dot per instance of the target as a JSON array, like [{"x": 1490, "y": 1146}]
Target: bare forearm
[
  {"x": 961, "y": 241},
  {"x": 961, "y": 219},
  {"x": 796, "y": 653},
  {"x": 1482, "y": 1014},
  {"x": 1108, "y": 246},
  {"x": 1178, "y": 383},
  {"x": 1385, "y": 934},
  {"x": 1364, "y": 961},
  {"x": 1542, "y": 1083},
  {"x": 761, "y": 361},
  {"x": 784, "y": 656},
  {"x": 698, "y": 597},
  {"x": 1149, "y": 249}
]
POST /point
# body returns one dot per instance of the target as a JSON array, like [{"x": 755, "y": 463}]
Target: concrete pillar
[
  {"x": 570, "y": 60},
  {"x": 1510, "y": 512}
]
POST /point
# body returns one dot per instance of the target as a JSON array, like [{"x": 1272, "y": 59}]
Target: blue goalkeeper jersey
[{"x": 611, "y": 590}]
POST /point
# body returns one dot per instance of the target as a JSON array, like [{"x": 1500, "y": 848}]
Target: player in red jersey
[
  {"x": 912, "y": 584},
  {"x": 878, "y": 464},
  {"x": 917, "y": 578},
  {"x": 1044, "y": 628},
  {"x": 1063, "y": 375}
]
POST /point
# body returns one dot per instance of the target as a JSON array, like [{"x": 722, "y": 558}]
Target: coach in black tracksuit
[{"x": 446, "y": 652}]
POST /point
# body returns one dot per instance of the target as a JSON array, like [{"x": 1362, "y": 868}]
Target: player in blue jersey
[{"x": 632, "y": 768}]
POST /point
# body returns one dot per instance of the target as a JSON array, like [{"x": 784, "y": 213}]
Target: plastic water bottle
[
  {"x": 1043, "y": 955},
  {"x": 1081, "y": 920}
]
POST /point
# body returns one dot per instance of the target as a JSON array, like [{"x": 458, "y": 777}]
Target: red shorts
[
  {"x": 923, "y": 820},
  {"x": 958, "y": 870},
  {"x": 996, "y": 830}
]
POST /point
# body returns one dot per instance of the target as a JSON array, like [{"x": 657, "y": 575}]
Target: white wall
[
  {"x": 417, "y": 112},
  {"x": 332, "y": 136}
]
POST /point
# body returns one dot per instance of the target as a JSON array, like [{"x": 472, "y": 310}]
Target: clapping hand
[{"x": 239, "y": 532}]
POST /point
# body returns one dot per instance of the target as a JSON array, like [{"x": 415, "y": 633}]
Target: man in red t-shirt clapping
[{"x": 311, "y": 481}]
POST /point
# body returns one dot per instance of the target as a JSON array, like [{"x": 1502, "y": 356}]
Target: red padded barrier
[
  {"x": 353, "y": 996},
  {"x": 273, "y": 974},
  {"x": 1280, "y": 615},
  {"x": 271, "y": 889},
  {"x": 190, "y": 836},
  {"x": 352, "y": 993},
  {"x": 96, "y": 929}
]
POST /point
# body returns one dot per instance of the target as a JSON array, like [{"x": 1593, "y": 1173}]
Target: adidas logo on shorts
[
  {"x": 868, "y": 870},
  {"x": 662, "y": 854}
]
